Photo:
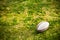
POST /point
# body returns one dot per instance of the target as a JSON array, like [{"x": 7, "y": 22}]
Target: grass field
[{"x": 19, "y": 19}]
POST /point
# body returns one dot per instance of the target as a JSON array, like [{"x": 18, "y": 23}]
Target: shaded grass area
[{"x": 19, "y": 18}]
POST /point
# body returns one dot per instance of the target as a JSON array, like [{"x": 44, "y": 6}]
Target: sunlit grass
[{"x": 19, "y": 19}]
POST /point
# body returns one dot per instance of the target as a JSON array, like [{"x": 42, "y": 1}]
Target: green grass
[{"x": 19, "y": 19}]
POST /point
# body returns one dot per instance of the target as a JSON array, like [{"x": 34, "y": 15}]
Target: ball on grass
[{"x": 42, "y": 26}]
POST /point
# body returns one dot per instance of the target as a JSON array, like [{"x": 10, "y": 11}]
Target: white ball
[{"x": 42, "y": 26}]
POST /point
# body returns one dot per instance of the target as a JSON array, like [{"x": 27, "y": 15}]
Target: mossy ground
[{"x": 19, "y": 18}]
